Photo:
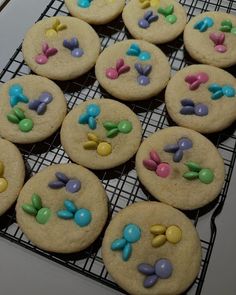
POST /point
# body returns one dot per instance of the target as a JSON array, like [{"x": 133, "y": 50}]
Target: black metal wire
[{"x": 121, "y": 183}]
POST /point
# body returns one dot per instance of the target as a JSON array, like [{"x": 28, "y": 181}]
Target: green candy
[
  {"x": 226, "y": 23},
  {"x": 112, "y": 133},
  {"x": 109, "y": 125},
  {"x": 166, "y": 11},
  {"x": 26, "y": 125},
  {"x": 233, "y": 31},
  {"x": 125, "y": 126},
  {"x": 193, "y": 166},
  {"x": 191, "y": 175},
  {"x": 28, "y": 208},
  {"x": 36, "y": 201},
  {"x": 13, "y": 118},
  {"x": 206, "y": 176},
  {"x": 225, "y": 29},
  {"x": 43, "y": 215},
  {"x": 19, "y": 113},
  {"x": 171, "y": 18}
]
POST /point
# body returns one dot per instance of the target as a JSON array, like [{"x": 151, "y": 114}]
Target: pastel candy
[
  {"x": 150, "y": 281},
  {"x": 132, "y": 233},
  {"x": 70, "y": 206},
  {"x": 118, "y": 244},
  {"x": 146, "y": 268},
  {"x": 163, "y": 268},
  {"x": 62, "y": 177},
  {"x": 83, "y": 217},
  {"x": 73, "y": 185}
]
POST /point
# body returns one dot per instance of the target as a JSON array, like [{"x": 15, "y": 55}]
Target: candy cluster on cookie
[
  {"x": 17, "y": 115},
  {"x": 81, "y": 216},
  {"x": 132, "y": 234},
  {"x": 112, "y": 129},
  {"x": 218, "y": 37},
  {"x": 163, "y": 170},
  {"x": 3, "y": 181}
]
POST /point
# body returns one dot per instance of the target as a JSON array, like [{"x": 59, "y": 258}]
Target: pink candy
[
  {"x": 46, "y": 53},
  {"x": 218, "y": 40},
  {"x": 121, "y": 68},
  {"x": 154, "y": 164},
  {"x": 196, "y": 80}
]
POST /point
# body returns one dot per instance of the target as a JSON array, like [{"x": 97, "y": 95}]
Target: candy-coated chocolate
[
  {"x": 83, "y": 217},
  {"x": 70, "y": 206},
  {"x": 3, "y": 185},
  {"x": 41, "y": 108},
  {"x": 73, "y": 185},
  {"x": 171, "y": 19},
  {"x": 193, "y": 166},
  {"x": 173, "y": 234},
  {"x": 163, "y": 170},
  {"x": 201, "y": 110},
  {"x": 127, "y": 251},
  {"x": 61, "y": 177},
  {"x": 150, "y": 281},
  {"x": 26, "y": 125},
  {"x": 77, "y": 52},
  {"x": 185, "y": 143},
  {"x": 90, "y": 145},
  {"x": 171, "y": 148},
  {"x": 93, "y": 137},
  {"x": 93, "y": 110},
  {"x": 56, "y": 184},
  {"x": 19, "y": 113},
  {"x": 36, "y": 201},
  {"x": 158, "y": 229},
  {"x": 146, "y": 268},
  {"x": 43, "y": 215},
  {"x": 163, "y": 268},
  {"x": 112, "y": 133},
  {"x": 92, "y": 123},
  {"x": 191, "y": 175},
  {"x": 45, "y": 97},
  {"x": 155, "y": 157},
  {"x": 206, "y": 175},
  {"x": 228, "y": 91},
  {"x": 150, "y": 164},
  {"x": 109, "y": 125},
  {"x": 158, "y": 241},
  {"x": 178, "y": 156},
  {"x": 33, "y": 104},
  {"x": 187, "y": 102},
  {"x": 187, "y": 110},
  {"x": 125, "y": 126},
  {"x": 17, "y": 95},
  {"x": 132, "y": 233},
  {"x": 28, "y": 208},
  {"x": 13, "y": 118},
  {"x": 104, "y": 149},
  {"x": 118, "y": 244},
  {"x": 64, "y": 214}
]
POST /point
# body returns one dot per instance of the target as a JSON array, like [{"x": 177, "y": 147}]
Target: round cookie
[
  {"x": 210, "y": 38},
  {"x": 202, "y": 98},
  {"x": 158, "y": 22},
  {"x": 31, "y": 109},
  {"x": 132, "y": 70},
  {"x": 58, "y": 210},
  {"x": 12, "y": 174},
  {"x": 180, "y": 167},
  {"x": 139, "y": 226},
  {"x": 96, "y": 12},
  {"x": 60, "y": 47},
  {"x": 101, "y": 134}
]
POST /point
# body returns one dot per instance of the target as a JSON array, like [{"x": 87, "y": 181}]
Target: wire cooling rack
[{"x": 121, "y": 183}]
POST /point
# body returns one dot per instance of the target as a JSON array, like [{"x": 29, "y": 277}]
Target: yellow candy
[
  {"x": 1, "y": 168},
  {"x": 61, "y": 27},
  {"x": 51, "y": 33},
  {"x": 93, "y": 137},
  {"x": 173, "y": 234},
  {"x": 157, "y": 229},
  {"x": 145, "y": 4},
  {"x": 154, "y": 3},
  {"x": 90, "y": 145},
  {"x": 158, "y": 241},
  {"x": 3, "y": 185},
  {"x": 104, "y": 149}
]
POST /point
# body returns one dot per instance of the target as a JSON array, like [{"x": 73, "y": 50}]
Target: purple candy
[
  {"x": 143, "y": 80},
  {"x": 147, "y": 70},
  {"x": 56, "y": 184},
  {"x": 77, "y": 52},
  {"x": 178, "y": 155},
  {"x": 201, "y": 110},
  {"x": 73, "y": 185},
  {"x": 163, "y": 268},
  {"x": 146, "y": 269},
  {"x": 148, "y": 14},
  {"x": 187, "y": 102},
  {"x": 150, "y": 281},
  {"x": 185, "y": 143},
  {"x": 45, "y": 97},
  {"x": 74, "y": 42},
  {"x": 143, "y": 23},
  {"x": 62, "y": 177},
  {"x": 41, "y": 108},
  {"x": 33, "y": 104},
  {"x": 171, "y": 148},
  {"x": 139, "y": 68},
  {"x": 187, "y": 110},
  {"x": 68, "y": 44},
  {"x": 153, "y": 18}
]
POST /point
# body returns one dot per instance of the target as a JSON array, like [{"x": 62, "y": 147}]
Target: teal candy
[
  {"x": 83, "y": 3},
  {"x": 228, "y": 91},
  {"x": 83, "y": 217},
  {"x": 118, "y": 244},
  {"x": 13, "y": 101},
  {"x": 15, "y": 90},
  {"x": 144, "y": 55},
  {"x": 127, "y": 251},
  {"x": 209, "y": 21},
  {"x": 132, "y": 233},
  {"x": 214, "y": 87},
  {"x": 83, "y": 119},
  {"x": 92, "y": 123},
  {"x": 70, "y": 206},
  {"x": 64, "y": 214},
  {"x": 217, "y": 95},
  {"x": 93, "y": 110}
]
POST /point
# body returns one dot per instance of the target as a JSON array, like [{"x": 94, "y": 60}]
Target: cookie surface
[
  {"x": 194, "y": 101},
  {"x": 132, "y": 70},
  {"x": 180, "y": 167},
  {"x": 95, "y": 12},
  {"x": 60, "y": 47},
  {"x": 43, "y": 108},
  {"x": 159, "y": 22},
  {"x": 114, "y": 143},
  {"x": 12, "y": 174},
  {"x": 210, "y": 38},
  {"x": 184, "y": 256},
  {"x": 78, "y": 229}
]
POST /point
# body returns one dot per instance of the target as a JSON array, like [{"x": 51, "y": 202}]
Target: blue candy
[
  {"x": 92, "y": 111},
  {"x": 228, "y": 91},
  {"x": 83, "y": 217},
  {"x": 16, "y": 95},
  {"x": 127, "y": 251},
  {"x": 132, "y": 233},
  {"x": 218, "y": 91},
  {"x": 135, "y": 50},
  {"x": 70, "y": 206},
  {"x": 118, "y": 244},
  {"x": 64, "y": 214},
  {"x": 84, "y": 3},
  {"x": 204, "y": 24}
]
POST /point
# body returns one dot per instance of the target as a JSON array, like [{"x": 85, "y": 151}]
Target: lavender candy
[
  {"x": 45, "y": 97},
  {"x": 143, "y": 80},
  {"x": 77, "y": 52},
  {"x": 56, "y": 184},
  {"x": 62, "y": 177},
  {"x": 73, "y": 185},
  {"x": 185, "y": 143},
  {"x": 33, "y": 104},
  {"x": 41, "y": 109},
  {"x": 187, "y": 102},
  {"x": 201, "y": 110},
  {"x": 178, "y": 156},
  {"x": 150, "y": 281},
  {"x": 171, "y": 148},
  {"x": 146, "y": 268},
  {"x": 163, "y": 268},
  {"x": 187, "y": 110},
  {"x": 143, "y": 23}
]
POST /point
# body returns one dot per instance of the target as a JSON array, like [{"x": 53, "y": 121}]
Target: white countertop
[{"x": 26, "y": 273}]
